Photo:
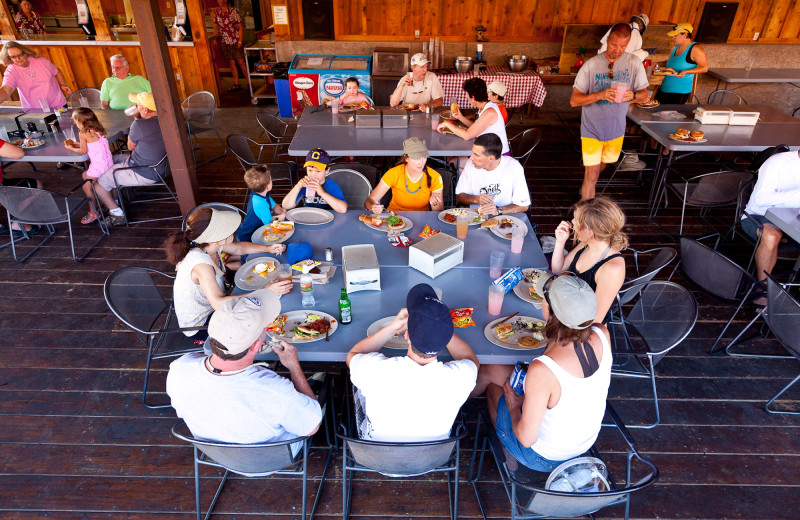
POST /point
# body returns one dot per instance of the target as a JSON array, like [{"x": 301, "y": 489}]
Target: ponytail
[{"x": 179, "y": 243}]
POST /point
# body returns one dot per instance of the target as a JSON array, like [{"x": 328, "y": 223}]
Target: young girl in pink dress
[{"x": 92, "y": 141}]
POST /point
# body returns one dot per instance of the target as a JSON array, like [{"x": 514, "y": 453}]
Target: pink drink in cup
[
  {"x": 621, "y": 89},
  {"x": 335, "y": 105},
  {"x": 311, "y": 194},
  {"x": 462, "y": 222},
  {"x": 517, "y": 236},
  {"x": 496, "y": 295},
  {"x": 434, "y": 121}
]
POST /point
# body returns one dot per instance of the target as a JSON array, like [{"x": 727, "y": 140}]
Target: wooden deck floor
[{"x": 75, "y": 442}]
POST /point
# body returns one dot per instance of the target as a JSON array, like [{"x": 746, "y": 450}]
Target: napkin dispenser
[
  {"x": 360, "y": 268},
  {"x": 712, "y": 115},
  {"x": 394, "y": 118},
  {"x": 436, "y": 254},
  {"x": 744, "y": 117},
  {"x": 44, "y": 121},
  {"x": 368, "y": 118}
]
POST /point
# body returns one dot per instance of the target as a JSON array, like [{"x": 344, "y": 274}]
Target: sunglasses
[{"x": 610, "y": 71}]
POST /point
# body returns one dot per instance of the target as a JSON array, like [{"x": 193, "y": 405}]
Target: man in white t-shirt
[
  {"x": 225, "y": 397},
  {"x": 492, "y": 182},
  {"x": 415, "y": 397},
  {"x": 419, "y": 87}
]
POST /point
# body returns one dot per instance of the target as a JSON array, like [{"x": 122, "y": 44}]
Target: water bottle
[
  {"x": 307, "y": 290},
  {"x": 345, "y": 315}
]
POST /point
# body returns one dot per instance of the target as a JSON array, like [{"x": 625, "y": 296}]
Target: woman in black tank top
[{"x": 596, "y": 259}]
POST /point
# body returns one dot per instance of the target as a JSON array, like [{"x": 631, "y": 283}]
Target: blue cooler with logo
[{"x": 315, "y": 79}]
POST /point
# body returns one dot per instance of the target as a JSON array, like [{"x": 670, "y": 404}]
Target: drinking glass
[
  {"x": 750, "y": 62},
  {"x": 434, "y": 121},
  {"x": 311, "y": 194},
  {"x": 496, "y": 295},
  {"x": 335, "y": 105},
  {"x": 621, "y": 89},
  {"x": 69, "y": 132},
  {"x": 496, "y": 264},
  {"x": 45, "y": 106},
  {"x": 285, "y": 273},
  {"x": 517, "y": 236},
  {"x": 462, "y": 223}
]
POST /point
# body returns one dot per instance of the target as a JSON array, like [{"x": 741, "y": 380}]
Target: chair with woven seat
[
  {"x": 242, "y": 147},
  {"x": 44, "y": 208},
  {"x": 367, "y": 170},
  {"x": 126, "y": 192},
  {"x": 449, "y": 180},
  {"x": 355, "y": 187},
  {"x": 523, "y": 144},
  {"x": 85, "y": 97},
  {"x": 526, "y": 489},
  {"x": 136, "y": 296},
  {"x": 710, "y": 190},
  {"x": 198, "y": 111}
]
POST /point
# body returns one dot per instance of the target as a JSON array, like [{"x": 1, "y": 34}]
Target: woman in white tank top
[
  {"x": 489, "y": 120},
  {"x": 561, "y": 410}
]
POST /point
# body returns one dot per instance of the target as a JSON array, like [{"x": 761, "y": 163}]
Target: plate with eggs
[{"x": 256, "y": 273}]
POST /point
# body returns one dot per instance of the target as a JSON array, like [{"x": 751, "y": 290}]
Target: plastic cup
[
  {"x": 517, "y": 236},
  {"x": 496, "y": 295},
  {"x": 131, "y": 111},
  {"x": 496, "y": 264},
  {"x": 750, "y": 62},
  {"x": 45, "y": 106},
  {"x": 434, "y": 121},
  {"x": 285, "y": 273},
  {"x": 335, "y": 105},
  {"x": 462, "y": 223},
  {"x": 621, "y": 89},
  {"x": 310, "y": 194},
  {"x": 69, "y": 133}
]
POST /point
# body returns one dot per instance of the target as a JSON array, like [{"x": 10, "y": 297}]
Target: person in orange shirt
[
  {"x": 497, "y": 92},
  {"x": 415, "y": 187}
]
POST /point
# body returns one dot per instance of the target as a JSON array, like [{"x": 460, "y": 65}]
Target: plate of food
[
  {"x": 256, "y": 273},
  {"x": 409, "y": 106},
  {"x": 506, "y": 225},
  {"x": 30, "y": 143},
  {"x": 686, "y": 136},
  {"x": 652, "y": 103},
  {"x": 273, "y": 233},
  {"x": 350, "y": 107},
  {"x": 309, "y": 216},
  {"x": 446, "y": 114},
  {"x": 518, "y": 333},
  {"x": 528, "y": 288},
  {"x": 449, "y": 216},
  {"x": 386, "y": 222},
  {"x": 664, "y": 71},
  {"x": 396, "y": 342},
  {"x": 302, "y": 326}
]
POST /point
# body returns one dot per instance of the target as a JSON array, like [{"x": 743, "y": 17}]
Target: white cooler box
[
  {"x": 360, "y": 268},
  {"x": 436, "y": 254}
]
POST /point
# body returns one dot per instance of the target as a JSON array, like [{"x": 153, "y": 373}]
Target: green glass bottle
[{"x": 345, "y": 316}]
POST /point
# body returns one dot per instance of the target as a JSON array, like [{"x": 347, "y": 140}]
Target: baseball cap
[
  {"x": 318, "y": 158},
  {"x": 683, "y": 27},
  {"x": 419, "y": 59},
  {"x": 571, "y": 300},
  {"x": 415, "y": 148},
  {"x": 643, "y": 18},
  {"x": 222, "y": 225},
  {"x": 498, "y": 87},
  {"x": 430, "y": 326},
  {"x": 144, "y": 98},
  {"x": 238, "y": 323}
]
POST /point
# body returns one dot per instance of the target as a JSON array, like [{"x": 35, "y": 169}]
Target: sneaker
[
  {"x": 114, "y": 220},
  {"x": 34, "y": 230}
]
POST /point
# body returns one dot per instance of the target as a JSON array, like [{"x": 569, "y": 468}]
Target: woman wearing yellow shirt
[{"x": 414, "y": 186}]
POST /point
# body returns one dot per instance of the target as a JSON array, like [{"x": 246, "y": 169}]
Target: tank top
[
  {"x": 589, "y": 274},
  {"x": 100, "y": 160},
  {"x": 571, "y": 426},
  {"x": 679, "y": 63},
  {"x": 192, "y": 307},
  {"x": 498, "y": 127}
]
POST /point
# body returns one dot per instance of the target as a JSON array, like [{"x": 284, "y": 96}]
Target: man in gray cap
[
  {"x": 227, "y": 398},
  {"x": 415, "y": 397}
]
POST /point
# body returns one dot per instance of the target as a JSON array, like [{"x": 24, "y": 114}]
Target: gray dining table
[
  {"x": 742, "y": 75},
  {"x": 466, "y": 285},
  {"x": 788, "y": 221},
  {"x": 768, "y": 113}
]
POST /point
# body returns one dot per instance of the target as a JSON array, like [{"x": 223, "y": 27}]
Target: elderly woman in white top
[
  {"x": 490, "y": 119},
  {"x": 420, "y": 87}
]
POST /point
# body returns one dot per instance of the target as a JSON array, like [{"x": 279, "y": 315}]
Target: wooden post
[
  {"x": 153, "y": 43},
  {"x": 101, "y": 25},
  {"x": 8, "y": 29}
]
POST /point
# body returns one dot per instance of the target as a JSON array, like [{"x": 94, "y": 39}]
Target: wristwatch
[{"x": 499, "y": 210}]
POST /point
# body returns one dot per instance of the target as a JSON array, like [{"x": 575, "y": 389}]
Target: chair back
[
  {"x": 216, "y": 205},
  {"x": 664, "y": 315},
  {"x": 568, "y": 505},
  {"x": 714, "y": 272},
  {"x": 276, "y": 128},
  {"x": 240, "y": 147},
  {"x": 85, "y": 97},
  {"x": 355, "y": 187},
  {"x": 134, "y": 297},
  {"x": 765, "y": 154},
  {"x": 367, "y": 170},
  {"x": 396, "y": 458},
  {"x": 199, "y": 108},
  {"x": 717, "y": 188},
  {"x": 663, "y": 256},
  {"x": 246, "y": 459},
  {"x": 783, "y": 316},
  {"x": 34, "y": 206},
  {"x": 523, "y": 143},
  {"x": 448, "y": 186},
  {"x": 726, "y": 97}
]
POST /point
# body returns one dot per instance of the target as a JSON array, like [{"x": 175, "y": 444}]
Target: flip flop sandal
[
  {"x": 234, "y": 88},
  {"x": 89, "y": 218}
]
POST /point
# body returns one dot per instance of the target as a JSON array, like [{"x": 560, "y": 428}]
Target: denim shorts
[
  {"x": 526, "y": 456},
  {"x": 750, "y": 227}
]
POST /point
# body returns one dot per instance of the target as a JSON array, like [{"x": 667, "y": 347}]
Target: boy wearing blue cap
[
  {"x": 314, "y": 190},
  {"x": 416, "y": 397}
]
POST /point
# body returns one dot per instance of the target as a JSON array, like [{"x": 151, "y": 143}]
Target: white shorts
[{"x": 124, "y": 178}]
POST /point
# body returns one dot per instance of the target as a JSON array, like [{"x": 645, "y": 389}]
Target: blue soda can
[{"x": 518, "y": 377}]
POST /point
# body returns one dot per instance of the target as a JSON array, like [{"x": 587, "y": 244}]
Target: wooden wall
[{"x": 777, "y": 21}]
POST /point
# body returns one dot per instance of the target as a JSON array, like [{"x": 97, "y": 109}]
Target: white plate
[
  {"x": 515, "y": 223},
  {"x": 247, "y": 280},
  {"x": 385, "y": 228},
  {"x": 258, "y": 236},
  {"x": 295, "y": 318},
  {"x": 396, "y": 342},
  {"x": 471, "y": 214},
  {"x": 521, "y": 289},
  {"x": 309, "y": 216},
  {"x": 511, "y": 344}
]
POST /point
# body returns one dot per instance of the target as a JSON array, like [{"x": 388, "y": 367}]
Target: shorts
[
  {"x": 672, "y": 98},
  {"x": 231, "y": 52},
  {"x": 525, "y": 456},
  {"x": 749, "y": 227},
  {"x": 124, "y": 178},
  {"x": 596, "y": 152}
]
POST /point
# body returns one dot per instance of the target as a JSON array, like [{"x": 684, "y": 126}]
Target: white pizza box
[
  {"x": 744, "y": 117},
  {"x": 713, "y": 115},
  {"x": 360, "y": 268},
  {"x": 436, "y": 254}
]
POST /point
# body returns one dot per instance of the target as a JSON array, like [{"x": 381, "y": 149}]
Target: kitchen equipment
[
  {"x": 394, "y": 118},
  {"x": 388, "y": 66},
  {"x": 85, "y": 19},
  {"x": 518, "y": 63},
  {"x": 182, "y": 21},
  {"x": 713, "y": 115},
  {"x": 435, "y": 255},
  {"x": 317, "y": 78},
  {"x": 360, "y": 268},
  {"x": 743, "y": 117},
  {"x": 464, "y": 64},
  {"x": 41, "y": 120},
  {"x": 368, "y": 118}
]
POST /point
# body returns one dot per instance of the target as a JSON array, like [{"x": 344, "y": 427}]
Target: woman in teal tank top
[{"x": 687, "y": 58}]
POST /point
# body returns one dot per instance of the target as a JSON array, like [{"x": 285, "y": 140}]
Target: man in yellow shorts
[{"x": 602, "y": 110}]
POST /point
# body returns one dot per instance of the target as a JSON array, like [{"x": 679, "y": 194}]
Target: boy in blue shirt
[
  {"x": 261, "y": 208},
  {"x": 314, "y": 190}
]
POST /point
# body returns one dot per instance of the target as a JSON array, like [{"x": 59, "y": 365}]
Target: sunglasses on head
[{"x": 610, "y": 71}]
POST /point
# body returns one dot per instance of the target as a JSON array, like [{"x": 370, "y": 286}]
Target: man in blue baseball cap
[
  {"x": 314, "y": 190},
  {"x": 416, "y": 397}
]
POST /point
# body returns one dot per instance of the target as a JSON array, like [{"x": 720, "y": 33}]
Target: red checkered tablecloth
[{"x": 523, "y": 87}]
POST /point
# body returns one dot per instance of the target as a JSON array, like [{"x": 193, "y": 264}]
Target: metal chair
[
  {"x": 710, "y": 190},
  {"x": 161, "y": 170},
  {"x": 198, "y": 111},
  {"x": 782, "y": 315},
  {"x": 525, "y": 488},
  {"x": 44, "y": 208},
  {"x": 216, "y": 205},
  {"x": 619, "y": 167},
  {"x": 135, "y": 296},
  {"x": 662, "y": 318},
  {"x": 523, "y": 143},
  {"x": 279, "y": 131},
  {"x": 367, "y": 170},
  {"x": 85, "y": 97},
  {"x": 661, "y": 257},
  {"x": 725, "y": 97},
  {"x": 355, "y": 187},
  {"x": 242, "y": 148},
  {"x": 449, "y": 181}
]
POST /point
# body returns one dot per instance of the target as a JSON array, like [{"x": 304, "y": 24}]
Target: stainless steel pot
[
  {"x": 463, "y": 64},
  {"x": 518, "y": 63}
]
